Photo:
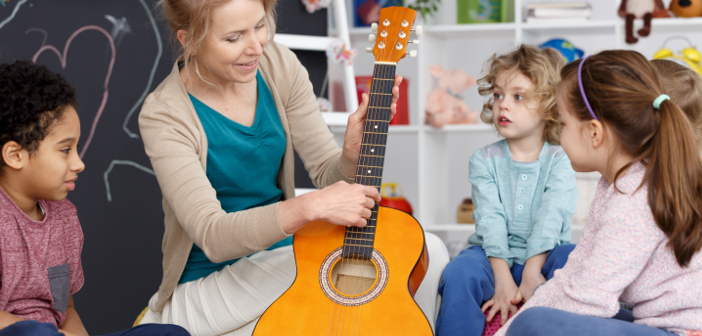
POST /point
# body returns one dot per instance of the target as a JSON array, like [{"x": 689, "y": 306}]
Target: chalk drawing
[
  {"x": 14, "y": 11},
  {"x": 151, "y": 75},
  {"x": 122, "y": 162},
  {"x": 131, "y": 134},
  {"x": 118, "y": 26},
  {"x": 62, "y": 58}
]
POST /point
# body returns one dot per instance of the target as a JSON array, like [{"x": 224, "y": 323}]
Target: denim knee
[
  {"x": 528, "y": 322},
  {"x": 162, "y": 329},
  {"x": 465, "y": 273},
  {"x": 29, "y": 328}
]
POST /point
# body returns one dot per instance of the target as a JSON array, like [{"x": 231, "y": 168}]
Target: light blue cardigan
[{"x": 521, "y": 208}]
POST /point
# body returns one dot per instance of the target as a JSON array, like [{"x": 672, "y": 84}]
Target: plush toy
[
  {"x": 644, "y": 9},
  {"x": 445, "y": 105},
  {"x": 686, "y": 8}
]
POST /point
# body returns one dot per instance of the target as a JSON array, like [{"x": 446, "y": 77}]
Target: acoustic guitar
[{"x": 360, "y": 281}]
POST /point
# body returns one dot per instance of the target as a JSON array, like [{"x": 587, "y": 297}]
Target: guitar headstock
[{"x": 393, "y": 34}]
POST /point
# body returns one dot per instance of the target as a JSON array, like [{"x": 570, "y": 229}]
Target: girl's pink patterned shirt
[{"x": 624, "y": 256}]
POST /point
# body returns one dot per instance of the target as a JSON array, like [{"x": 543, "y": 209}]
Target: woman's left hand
[{"x": 354, "y": 131}]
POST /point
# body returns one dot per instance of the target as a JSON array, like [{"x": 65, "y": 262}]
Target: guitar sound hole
[{"x": 353, "y": 275}]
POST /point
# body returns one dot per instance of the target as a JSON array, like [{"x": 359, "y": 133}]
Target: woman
[{"x": 220, "y": 132}]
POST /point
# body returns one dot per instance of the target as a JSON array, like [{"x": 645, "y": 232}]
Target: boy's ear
[
  {"x": 14, "y": 155},
  {"x": 595, "y": 131}
]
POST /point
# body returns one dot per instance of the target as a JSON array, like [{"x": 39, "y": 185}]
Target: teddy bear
[
  {"x": 686, "y": 8},
  {"x": 445, "y": 105},
  {"x": 644, "y": 9}
]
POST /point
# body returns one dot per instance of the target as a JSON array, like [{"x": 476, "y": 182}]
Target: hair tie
[
  {"x": 582, "y": 90},
  {"x": 659, "y": 100}
]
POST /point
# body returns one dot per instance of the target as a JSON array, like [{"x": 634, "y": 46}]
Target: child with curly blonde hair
[{"x": 524, "y": 192}]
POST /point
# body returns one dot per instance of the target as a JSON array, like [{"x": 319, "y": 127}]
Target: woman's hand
[
  {"x": 500, "y": 302},
  {"x": 354, "y": 131},
  {"x": 340, "y": 203},
  {"x": 346, "y": 204}
]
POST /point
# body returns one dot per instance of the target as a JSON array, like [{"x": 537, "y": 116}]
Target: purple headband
[{"x": 582, "y": 90}]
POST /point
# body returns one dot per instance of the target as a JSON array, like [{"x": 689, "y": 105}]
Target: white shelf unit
[{"x": 432, "y": 165}]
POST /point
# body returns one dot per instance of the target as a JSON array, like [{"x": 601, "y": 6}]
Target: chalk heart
[{"x": 62, "y": 58}]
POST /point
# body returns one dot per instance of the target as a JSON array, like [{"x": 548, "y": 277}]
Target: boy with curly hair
[
  {"x": 41, "y": 241},
  {"x": 524, "y": 192}
]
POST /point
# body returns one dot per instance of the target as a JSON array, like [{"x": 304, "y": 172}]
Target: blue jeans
[
  {"x": 550, "y": 321},
  {"x": 468, "y": 281},
  {"x": 34, "y": 328}
]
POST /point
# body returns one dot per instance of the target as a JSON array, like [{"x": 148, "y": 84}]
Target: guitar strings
[
  {"x": 379, "y": 114},
  {"x": 353, "y": 232}
]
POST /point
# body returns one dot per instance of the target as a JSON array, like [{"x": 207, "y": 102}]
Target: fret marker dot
[
  {"x": 372, "y": 150},
  {"x": 376, "y": 126},
  {"x": 369, "y": 171}
]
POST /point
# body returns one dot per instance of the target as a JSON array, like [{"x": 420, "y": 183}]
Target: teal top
[
  {"x": 521, "y": 208},
  {"x": 242, "y": 165}
]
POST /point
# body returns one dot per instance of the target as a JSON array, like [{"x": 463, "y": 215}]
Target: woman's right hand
[
  {"x": 505, "y": 291},
  {"x": 345, "y": 204},
  {"x": 340, "y": 204}
]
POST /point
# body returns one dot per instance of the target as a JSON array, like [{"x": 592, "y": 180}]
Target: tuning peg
[
  {"x": 369, "y": 50},
  {"x": 371, "y": 38},
  {"x": 414, "y": 41},
  {"x": 374, "y": 27},
  {"x": 418, "y": 30},
  {"x": 412, "y": 53}
]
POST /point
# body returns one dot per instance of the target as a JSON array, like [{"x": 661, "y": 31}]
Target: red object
[
  {"x": 493, "y": 326},
  {"x": 395, "y": 200},
  {"x": 363, "y": 84}
]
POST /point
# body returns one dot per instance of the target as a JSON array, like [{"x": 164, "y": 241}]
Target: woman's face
[{"x": 234, "y": 43}]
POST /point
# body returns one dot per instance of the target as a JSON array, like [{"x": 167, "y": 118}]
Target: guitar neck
[{"x": 360, "y": 241}]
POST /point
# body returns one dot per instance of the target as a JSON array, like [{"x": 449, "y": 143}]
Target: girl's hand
[
  {"x": 345, "y": 204},
  {"x": 354, "y": 131},
  {"x": 526, "y": 289},
  {"x": 500, "y": 302}
]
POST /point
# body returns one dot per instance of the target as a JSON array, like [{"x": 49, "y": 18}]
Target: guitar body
[{"x": 314, "y": 306}]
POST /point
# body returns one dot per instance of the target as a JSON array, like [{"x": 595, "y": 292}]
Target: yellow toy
[{"x": 688, "y": 57}]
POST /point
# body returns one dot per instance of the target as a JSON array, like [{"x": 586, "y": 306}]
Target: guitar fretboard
[{"x": 360, "y": 241}]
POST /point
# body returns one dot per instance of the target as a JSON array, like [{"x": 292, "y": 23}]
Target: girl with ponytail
[{"x": 644, "y": 233}]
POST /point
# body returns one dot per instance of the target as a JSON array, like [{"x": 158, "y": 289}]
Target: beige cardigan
[{"x": 177, "y": 146}]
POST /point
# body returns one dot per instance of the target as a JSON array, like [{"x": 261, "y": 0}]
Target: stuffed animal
[
  {"x": 644, "y": 9},
  {"x": 445, "y": 105},
  {"x": 686, "y": 8}
]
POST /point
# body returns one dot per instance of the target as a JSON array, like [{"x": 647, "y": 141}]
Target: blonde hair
[
  {"x": 194, "y": 17},
  {"x": 684, "y": 87},
  {"x": 542, "y": 67}
]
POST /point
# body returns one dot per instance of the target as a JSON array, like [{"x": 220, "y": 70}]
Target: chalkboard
[{"x": 115, "y": 52}]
